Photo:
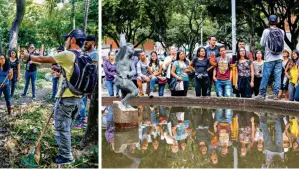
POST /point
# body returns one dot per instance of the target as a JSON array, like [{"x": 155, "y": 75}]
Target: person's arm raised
[{"x": 39, "y": 59}]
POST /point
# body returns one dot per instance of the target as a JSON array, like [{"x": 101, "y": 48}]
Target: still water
[{"x": 201, "y": 138}]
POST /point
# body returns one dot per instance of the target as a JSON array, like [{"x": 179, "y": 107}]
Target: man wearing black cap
[
  {"x": 273, "y": 42},
  {"x": 93, "y": 54},
  {"x": 31, "y": 72},
  {"x": 67, "y": 103},
  {"x": 56, "y": 75},
  {"x": 89, "y": 48}
]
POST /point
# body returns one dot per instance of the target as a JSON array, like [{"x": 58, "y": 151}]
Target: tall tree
[
  {"x": 252, "y": 17},
  {"x": 287, "y": 11},
  {"x": 91, "y": 132},
  {"x": 13, "y": 40},
  {"x": 160, "y": 15},
  {"x": 86, "y": 15},
  {"x": 127, "y": 16},
  {"x": 73, "y": 14}
]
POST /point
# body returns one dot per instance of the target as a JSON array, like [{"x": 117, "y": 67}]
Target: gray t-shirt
[
  {"x": 258, "y": 68},
  {"x": 268, "y": 55},
  {"x": 94, "y": 56},
  {"x": 142, "y": 68}
]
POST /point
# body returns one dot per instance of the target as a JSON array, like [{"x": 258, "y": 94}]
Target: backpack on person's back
[
  {"x": 84, "y": 77},
  {"x": 275, "y": 41}
]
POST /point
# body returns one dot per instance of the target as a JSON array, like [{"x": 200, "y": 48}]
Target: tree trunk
[
  {"x": 91, "y": 132},
  {"x": 86, "y": 14},
  {"x": 13, "y": 39},
  {"x": 1, "y": 50},
  {"x": 73, "y": 13}
]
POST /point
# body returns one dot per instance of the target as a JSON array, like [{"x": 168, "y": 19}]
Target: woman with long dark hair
[
  {"x": 110, "y": 72},
  {"x": 15, "y": 65},
  {"x": 5, "y": 76},
  {"x": 258, "y": 71},
  {"x": 284, "y": 79},
  {"x": 180, "y": 70},
  {"x": 156, "y": 74},
  {"x": 245, "y": 74},
  {"x": 200, "y": 65},
  {"x": 291, "y": 72}
]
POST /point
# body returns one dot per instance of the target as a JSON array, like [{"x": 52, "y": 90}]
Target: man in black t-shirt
[{"x": 31, "y": 72}]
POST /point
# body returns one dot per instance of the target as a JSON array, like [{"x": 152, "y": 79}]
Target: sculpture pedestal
[{"x": 124, "y": 118}]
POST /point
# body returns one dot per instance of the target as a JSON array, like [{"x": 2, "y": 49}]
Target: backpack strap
[{"x": 65, "y": 83}]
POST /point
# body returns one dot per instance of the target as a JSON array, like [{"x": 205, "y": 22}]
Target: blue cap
[
  {"x": 76, "y": 33},
  {"x": 273, "y": 19}
]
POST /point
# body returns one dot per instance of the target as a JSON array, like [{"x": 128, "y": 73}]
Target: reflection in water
[{"x": 201, "y": 138}]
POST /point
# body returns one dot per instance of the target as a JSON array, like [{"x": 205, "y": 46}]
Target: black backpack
[
  {"x": 84, "y": 77},
  {"x": 275, "y": 41}
]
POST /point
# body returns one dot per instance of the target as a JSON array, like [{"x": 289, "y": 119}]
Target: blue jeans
[
  {"x": 83, "y": 102},
  {"x": 275, "y": 146},
  {"x": 109, "y": 116},
  {"x": 291, "y": 91},
  {"x": 155, "y": 80},
  {"x": 13, "y": 84},
  {"x": 30, "y": 76},
  {"x": 54, "y": 87},
  {"x": 6, "y": 91},
  {"x": 269, "y": 67},
  {"x": 110, "y": 85},
  {"x": 224, "y": 88},
  {"x": 227, "y": 118},
  {"x": 65, "y": 110},
  {"x": 296, "y": 96}
]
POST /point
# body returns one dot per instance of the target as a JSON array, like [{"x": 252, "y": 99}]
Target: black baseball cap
[
  {"x": 76, "y": 33},
  {"x": 60, "y": 48},
  {"x": 90, "y": 38},
  {"x": 273, "y": 19}
]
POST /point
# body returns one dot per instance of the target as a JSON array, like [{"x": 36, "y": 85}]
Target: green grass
[{"x": 27, "y": 126}]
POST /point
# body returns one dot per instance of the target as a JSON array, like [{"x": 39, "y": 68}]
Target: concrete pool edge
[{"x": 245, "y": 104}]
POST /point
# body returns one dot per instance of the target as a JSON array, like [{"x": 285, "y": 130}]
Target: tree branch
[
  {"x": 263, "y": 9},
  {"x": 144, "y": 39},
  {"x": 115, "y": 38}
]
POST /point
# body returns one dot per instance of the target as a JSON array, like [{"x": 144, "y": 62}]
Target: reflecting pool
[{"x": 197, "y": 137}]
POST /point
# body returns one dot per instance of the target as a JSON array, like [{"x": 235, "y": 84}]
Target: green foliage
[
  {"x": 6, "y": 8},
  {"x": 46, "y": 24},
  {"x": 126, "y": 16}
]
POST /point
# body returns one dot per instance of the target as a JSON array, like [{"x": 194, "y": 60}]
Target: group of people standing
[
  {"x": 10, "y": 75},
  {"x": 245, "y": 74}
]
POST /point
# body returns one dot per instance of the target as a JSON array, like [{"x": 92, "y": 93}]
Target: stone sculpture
[{"x": 125, "y": 71}]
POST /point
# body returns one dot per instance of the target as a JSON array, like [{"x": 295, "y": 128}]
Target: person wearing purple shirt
[{"x": 110, "y": 72}]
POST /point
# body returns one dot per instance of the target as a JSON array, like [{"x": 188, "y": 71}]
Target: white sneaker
[{"x": 151, "y": 94}]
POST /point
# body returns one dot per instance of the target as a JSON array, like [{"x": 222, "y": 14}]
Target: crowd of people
[
  {"x": 214, "y": 133},
  {"x": 70, "y": 107},
  {"x": 246, "y": 74}
]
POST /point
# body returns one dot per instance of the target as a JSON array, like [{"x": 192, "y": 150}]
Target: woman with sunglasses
[{"x": 245, "y": 74}]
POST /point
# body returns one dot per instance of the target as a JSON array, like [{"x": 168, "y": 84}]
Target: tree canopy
[
  {"x": 45, "y": 24},
  {"x": 179, "y": 21}
]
